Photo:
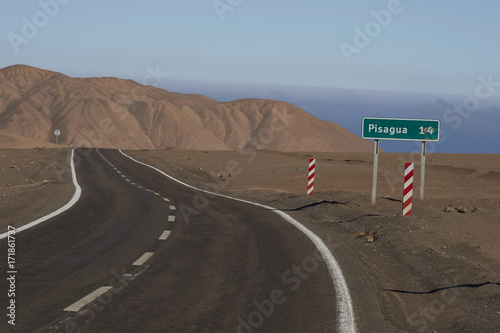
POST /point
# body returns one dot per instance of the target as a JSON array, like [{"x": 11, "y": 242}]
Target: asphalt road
[{"x": 229, "y": 267}]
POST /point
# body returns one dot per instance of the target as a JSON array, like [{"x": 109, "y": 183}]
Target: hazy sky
[
  {"x": 429, "y": 46},
  {"x": 425, "y": 46}
]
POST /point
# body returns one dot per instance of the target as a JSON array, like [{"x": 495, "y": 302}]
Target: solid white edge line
[
  {"x": 345, "y": 312},
  {"x": 145, "y": 257},
  {"x": 77, "y": 306},
  {"x": 74, "y": 199}
]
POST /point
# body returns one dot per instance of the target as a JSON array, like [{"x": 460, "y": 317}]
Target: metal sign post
[
  {"x": 375, "y": 172},
  {"x": 57, "y": 133},
  {"x": 422, "y": 170}
]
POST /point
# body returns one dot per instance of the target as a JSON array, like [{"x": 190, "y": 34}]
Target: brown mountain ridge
[{"x": 117, "y": 113}]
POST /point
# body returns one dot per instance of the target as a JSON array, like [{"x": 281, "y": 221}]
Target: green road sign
[{"x": 400, "y": 129}]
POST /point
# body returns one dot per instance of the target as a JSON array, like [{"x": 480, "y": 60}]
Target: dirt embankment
[
  {"x": 437, "y": 270},
  {"x": 33, "y": 183}
]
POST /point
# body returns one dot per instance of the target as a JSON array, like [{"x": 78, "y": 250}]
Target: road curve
[
  {"x": 346, "y": 321},
  {"x": 124, "y": 259}
]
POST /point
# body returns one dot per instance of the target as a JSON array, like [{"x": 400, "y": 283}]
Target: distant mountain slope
[{"x": 116, "y": 113}]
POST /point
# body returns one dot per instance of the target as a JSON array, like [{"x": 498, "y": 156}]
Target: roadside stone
[
  {"x": 462, "y": 210},
  {"x": 449, "y": 210}
]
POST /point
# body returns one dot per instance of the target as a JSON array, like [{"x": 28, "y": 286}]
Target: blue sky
[{"x": 424, "y": 46}]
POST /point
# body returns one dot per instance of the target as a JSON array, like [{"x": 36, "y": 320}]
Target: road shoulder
[{"x": 33, "y": 184}]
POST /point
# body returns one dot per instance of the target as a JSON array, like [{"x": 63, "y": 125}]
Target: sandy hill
[{"x": 116, "y": 113}]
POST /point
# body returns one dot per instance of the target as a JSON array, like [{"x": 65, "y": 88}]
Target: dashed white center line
[
  {"x": 157, "y": 194},
  {"x": 145, "y": 257},
  {"x": 172, "y": 207},
  {"x": 165, "y": 235},
  {"x": 166, "y": 199},
  {"x": 75, "y": 307},
  {"x": 139, "y": 186},
  {"x": 171, "y": 218}
]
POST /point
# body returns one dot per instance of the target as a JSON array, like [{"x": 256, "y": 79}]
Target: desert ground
[
  {"x": 33, "y": 183},
  {"x": 434, "y": 271}
]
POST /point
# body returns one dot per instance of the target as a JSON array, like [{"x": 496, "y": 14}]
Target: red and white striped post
[
  {"x": 310, "y": 178},
  {"x": 408, "y": 189}
]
